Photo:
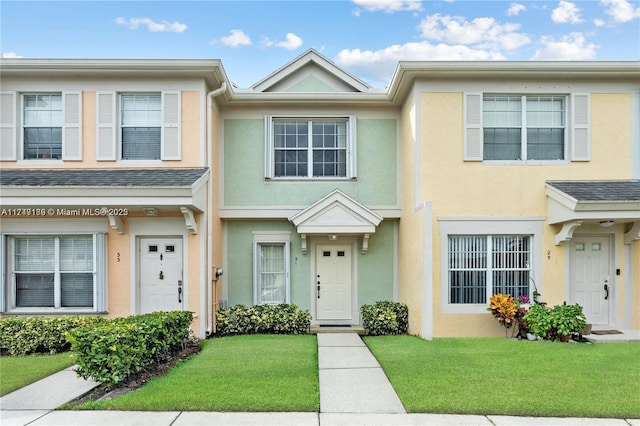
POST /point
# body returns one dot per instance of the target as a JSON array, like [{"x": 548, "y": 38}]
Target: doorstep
[{"x": 354, "y": 328}]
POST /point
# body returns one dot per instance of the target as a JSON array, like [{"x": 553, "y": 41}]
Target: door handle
[
  {"x": 318, "y": 288},
  {"x": 179, "y": 291},
  {"x": 606, "y": 294}
]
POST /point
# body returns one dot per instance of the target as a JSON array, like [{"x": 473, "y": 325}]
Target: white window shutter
[
  {"x": 170, "y": 134},
  {"x": 106, "y": 126},
  {"x": 473, "y": 127},
  {"x": 72, "y": 126},
  {"x": 580, "y": 132},
  {"x": 8, "y": 128},
  {"x": 352, "y": 138},
  {"x": 268, "y": 147}
]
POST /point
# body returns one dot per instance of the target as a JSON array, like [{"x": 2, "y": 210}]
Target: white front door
[
  {"x": 333, "y": 282},
  {"x": 161, "y": 274},
  {"x": 590, "y": 281}
]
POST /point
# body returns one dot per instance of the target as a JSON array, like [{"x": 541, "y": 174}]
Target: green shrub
[
  {"x": 27, "y": 335},
  {"x": 112, "y": 351},
  {"x": 384, "y": 317},
  {"x": 262, "y": 319},
  {"x": 557, "y": 322}
]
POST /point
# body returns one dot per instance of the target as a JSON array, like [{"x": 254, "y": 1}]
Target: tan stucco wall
[
  {"x": 635, "y": 295},
  {"x": 473, "y": 189},
  {"x": 410, "y": 271},
  {"x": 190, "y": 135},
  {"x": 118, "y": 273},
  {"x": 216, "y": 223}
]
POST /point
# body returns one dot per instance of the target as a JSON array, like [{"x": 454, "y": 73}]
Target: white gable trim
[
  {"x": 307, "y": 57},
  {"x": 336, "y": 213}
]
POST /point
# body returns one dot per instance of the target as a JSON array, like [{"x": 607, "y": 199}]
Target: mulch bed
[{"x": 138, "y": 380}]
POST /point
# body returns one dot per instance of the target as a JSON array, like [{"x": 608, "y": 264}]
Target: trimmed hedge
[
  {"x": 262, "y": 319},
  {"x": 112, "y": 351},
  {"x": 28, "y": 335},
  {"x": 384, "y": 317}
]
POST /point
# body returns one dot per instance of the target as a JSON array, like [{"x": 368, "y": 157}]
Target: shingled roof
[
  {"x": 600, "y": 190},
  {"x": 101, "y": 177}
]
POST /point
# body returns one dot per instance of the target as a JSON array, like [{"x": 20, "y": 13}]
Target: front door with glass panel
[
  {"x": 333, "y": 283},
  {"x": 161, "y": 286},
  {"x": 590, "y": 284}
]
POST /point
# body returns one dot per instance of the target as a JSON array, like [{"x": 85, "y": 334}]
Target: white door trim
[
  {"x": 342, "y": 240},
  {"x": 612, "y": 310},
  {"x": 160, "y": 227}
]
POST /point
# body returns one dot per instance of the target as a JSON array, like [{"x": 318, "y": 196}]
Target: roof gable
[{"x": 310, "y": 72}]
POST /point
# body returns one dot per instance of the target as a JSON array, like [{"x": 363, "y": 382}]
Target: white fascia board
[
  {"x": 104, "y": 197},
  {"x": 561, "y": 197},
  {"x": 271, "y": 212}
]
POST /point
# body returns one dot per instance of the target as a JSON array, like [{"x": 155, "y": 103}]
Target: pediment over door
[{"x": 336, "y": 214}]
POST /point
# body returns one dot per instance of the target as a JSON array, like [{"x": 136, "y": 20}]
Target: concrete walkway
[
  {"x": 351, "y": 380},
  {"x": 353, "y": 391}
]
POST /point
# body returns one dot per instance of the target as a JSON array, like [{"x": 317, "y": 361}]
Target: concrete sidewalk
[{"x": 353, "y": 391}]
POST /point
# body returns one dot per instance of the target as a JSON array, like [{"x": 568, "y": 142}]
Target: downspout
[{"x": 210, "y": 274}]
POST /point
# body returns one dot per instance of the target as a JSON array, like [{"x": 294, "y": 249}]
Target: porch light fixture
[
  {"x": 606, "y": 223},
  {"x": 333, "y": 237},
  {"x": 150, "y": 211}
]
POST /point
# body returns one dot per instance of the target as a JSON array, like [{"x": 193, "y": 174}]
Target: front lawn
[
  {"x": 510, "y": 377},
  {"x": 19, "y": 371},
  {"x": 239, "y": 373}
]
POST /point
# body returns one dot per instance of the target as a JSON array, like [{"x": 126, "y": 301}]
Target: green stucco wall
[
  {"x": 244, "y": 162},
  {"x": 375, "y": 269}
]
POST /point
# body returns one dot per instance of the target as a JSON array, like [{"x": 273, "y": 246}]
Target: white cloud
[
  {"x": 389, "y": 6},
  {"x": 237, "y": 38},
  {"x": 570, "y": 47},
  {"x": 566, "y": 12},
  {"x": 11, "y": 55},
  {"x": 621, "y": 10},
  {"x": 379, "y": 65},
  {"x": 515, "y": 9},
  {"x": 484, "y": 33},
  {"x": 291, "y": 42},
  {"x": 598, "y": 22},
  {"x": 152, "y": 26}
]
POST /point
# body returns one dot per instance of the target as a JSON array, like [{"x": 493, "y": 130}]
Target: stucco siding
[{"x": 244, "y": 168}]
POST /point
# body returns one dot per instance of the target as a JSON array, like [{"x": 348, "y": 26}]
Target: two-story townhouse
[
  {"x": 125, "y": 184},
  {"x": 310, "y": 197},
  {"x": 106, "y": 187},
  {"x": 518, "y": 177}
]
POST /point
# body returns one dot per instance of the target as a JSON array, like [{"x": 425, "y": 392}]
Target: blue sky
[{"x": 365, "y": 37}]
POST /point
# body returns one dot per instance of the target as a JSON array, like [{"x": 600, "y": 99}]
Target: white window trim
[
  {"x": 99, "y": 277},
  {"x": 525, "y": 226},
  {"x": 577, "y": 142},
  {"x": 271, "y": 237},
  {"x": 351, "y": 147},
  {"x": 109, "y": 129},
  {"x": 66, "y": 126}
]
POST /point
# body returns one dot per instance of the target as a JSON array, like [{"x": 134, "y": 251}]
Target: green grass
[
  {"x": 511, "y": 377},
  {"x": 19, "y": 371},
  {"x": 240, "y": 373}
]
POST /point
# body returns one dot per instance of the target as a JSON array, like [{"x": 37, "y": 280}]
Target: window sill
[
  {"x": 314, "y": 179},
  {"x": 47, "y": 162},
  {"x": 52, "y": 311},
  {"x": 526, "y": 163},
  {"x": 140, "y": 162}
]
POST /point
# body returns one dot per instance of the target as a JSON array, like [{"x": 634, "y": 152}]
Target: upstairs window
[
  {"x": 524, "y": 127},
  {"x": 140, "y": 124},
  {"x": 42, "y": 126},
  {"x": 301, "y": 148}
]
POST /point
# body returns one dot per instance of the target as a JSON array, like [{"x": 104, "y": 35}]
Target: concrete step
[{"x": 315, "y": 329}]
